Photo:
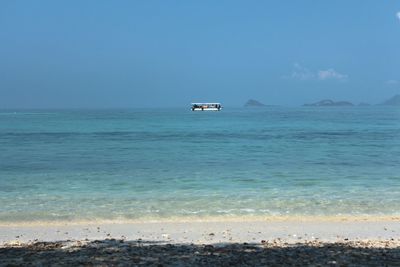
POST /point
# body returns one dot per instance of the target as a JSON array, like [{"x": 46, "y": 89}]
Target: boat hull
[{"x": 205, "y": 109}]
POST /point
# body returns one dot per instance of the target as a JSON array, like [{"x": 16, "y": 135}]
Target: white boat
[{"x": 206, "y": 106}]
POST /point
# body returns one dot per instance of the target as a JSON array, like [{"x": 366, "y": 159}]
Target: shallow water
[{"x": 161, "y": 163}]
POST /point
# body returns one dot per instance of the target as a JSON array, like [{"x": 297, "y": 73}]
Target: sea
[{"x": 172, "y": 163}]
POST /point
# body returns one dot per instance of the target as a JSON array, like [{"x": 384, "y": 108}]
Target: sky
[{"x": 127, "y": 54}]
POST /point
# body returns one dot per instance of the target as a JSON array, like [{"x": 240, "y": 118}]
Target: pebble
[{"x": 274, "y": 252}]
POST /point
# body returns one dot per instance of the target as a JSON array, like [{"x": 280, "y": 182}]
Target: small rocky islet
[
  {"x": 253, "y": 103},
  {"x": 393, "y": 101}
]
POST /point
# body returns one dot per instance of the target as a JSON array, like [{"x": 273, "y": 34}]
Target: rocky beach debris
[{"x": 275, "y": 252}]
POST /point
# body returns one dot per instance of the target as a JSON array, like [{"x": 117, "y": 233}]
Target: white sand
[{"x": 206, "y": 232}]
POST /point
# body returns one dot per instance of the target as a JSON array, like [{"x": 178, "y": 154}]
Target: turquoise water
[{"x": 162, "y": 163}]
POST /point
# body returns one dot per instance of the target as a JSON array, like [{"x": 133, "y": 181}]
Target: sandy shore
[
  {"x": 358, "y": 242},
  {"x": 206, "y": 232}
]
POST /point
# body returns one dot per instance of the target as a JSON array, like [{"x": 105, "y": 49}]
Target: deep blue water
[{"x": 157, "y": 163}]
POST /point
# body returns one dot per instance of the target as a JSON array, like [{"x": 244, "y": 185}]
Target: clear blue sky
[{"x": 102, "y": 54}]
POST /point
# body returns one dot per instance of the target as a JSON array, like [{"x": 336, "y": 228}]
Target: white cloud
[
  {"x": 331, "y": 74},
  {"x": 301, "y": 73},
  {"x": 398, "y": 15}
]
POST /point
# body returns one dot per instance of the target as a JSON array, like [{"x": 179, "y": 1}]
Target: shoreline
[
  {"x": 207, "y": 219},
  {"x": 233, "y": 241},
  {"x": 206, "y": 243},
  {"x": 290, "y": 230}
]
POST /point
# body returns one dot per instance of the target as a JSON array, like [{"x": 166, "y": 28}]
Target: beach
[
  {"x": 273, "y": 186},
  {"x": 199, "y": 133},
  {"x": 208, "y": 231},
  {"x": 327, "y": 241}
]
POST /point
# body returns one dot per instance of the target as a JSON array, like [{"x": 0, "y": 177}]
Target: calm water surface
[{"x": 144, "y": 163}]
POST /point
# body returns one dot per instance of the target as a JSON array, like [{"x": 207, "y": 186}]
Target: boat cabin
[{"x": 206, "y": 106}]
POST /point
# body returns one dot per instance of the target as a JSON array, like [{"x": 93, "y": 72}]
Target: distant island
[
  {"x": 329, "y": 103},
  {"x": 362, "y": 104},
  {"x": 253, "y": 103},
  {"x": 393, "y": 101}
]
